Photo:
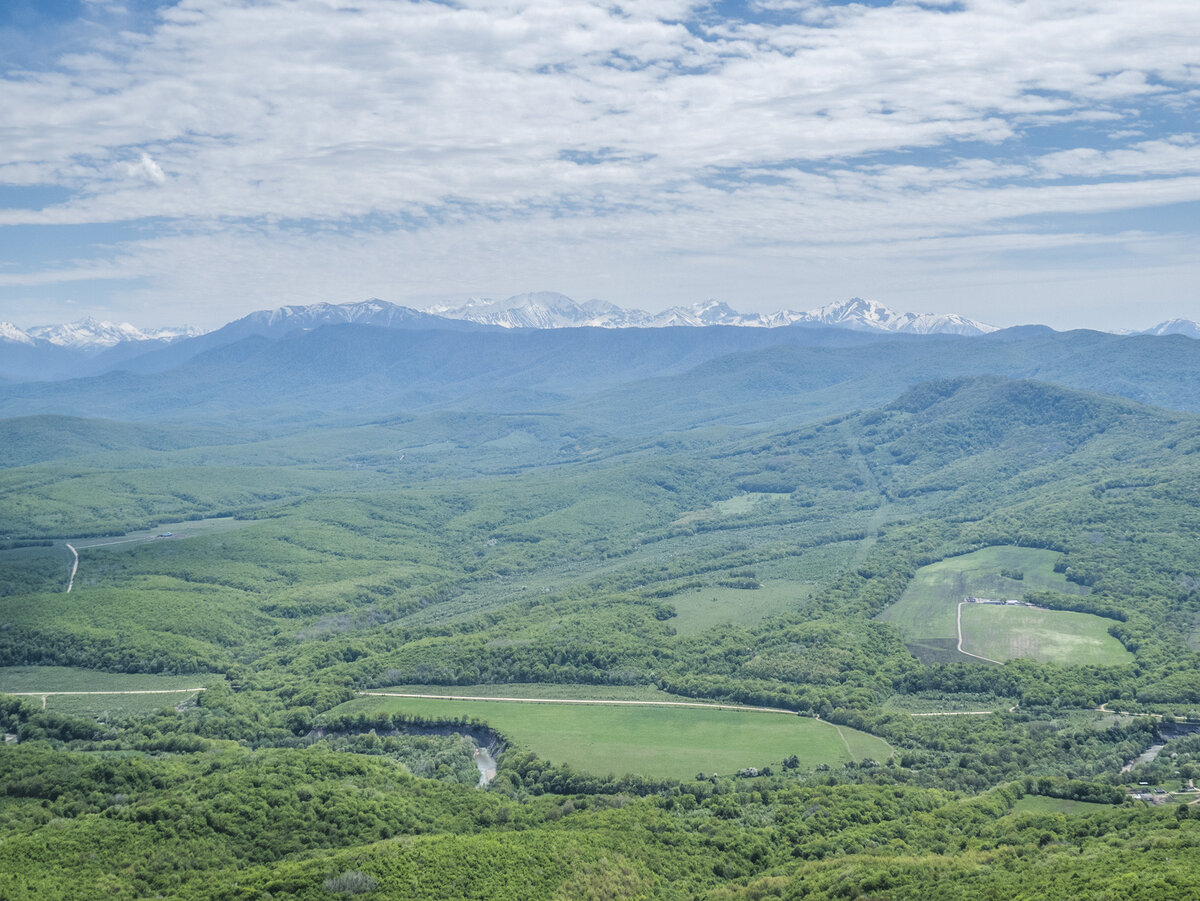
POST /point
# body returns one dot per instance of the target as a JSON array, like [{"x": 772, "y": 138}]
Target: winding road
[{"x": 74, "y": 567}]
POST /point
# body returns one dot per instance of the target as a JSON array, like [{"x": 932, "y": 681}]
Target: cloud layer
[{"x": 651, "y": 153}]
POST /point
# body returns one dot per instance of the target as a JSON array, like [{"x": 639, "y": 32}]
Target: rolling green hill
[{"x": 725, "y": 521}]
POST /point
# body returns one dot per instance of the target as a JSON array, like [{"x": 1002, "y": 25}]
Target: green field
[
  {"x": 704, "y": 608},
  {"x": 664, "y": 742},
  {"x": 544, "y": 690},
  {"x": 81, "y": 684},
  {"x": 1039, "y": 804},
  {"x": 174, "y": 530},
  {"x": 1048, "y": 636},
  {"x": 927, "y": 609}
]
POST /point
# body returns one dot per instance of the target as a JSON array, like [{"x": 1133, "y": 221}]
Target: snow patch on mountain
[
  {"x": 90, "y": 334},
  {"x": 551, "y": 310},
  {"x": 14, "y": 335},
  {"x": 868, "y": 315},
  {"x": 1186, "y": 327},
  {"x": 373, "y": 312},
  {"x": 540, "y": 309}
]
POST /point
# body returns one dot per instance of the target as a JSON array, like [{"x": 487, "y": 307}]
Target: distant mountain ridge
[
  {"x": 547, "y": 309},
  {"x": 90, "y": 347},
  {"x": 1175, "y": 327},
  {"x": 91, "y": 334},
  {"x": 535, "y": 310}
]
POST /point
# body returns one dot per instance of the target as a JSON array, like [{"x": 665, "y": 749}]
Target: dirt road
[
  {"x": 74, "y": 568},
  {"x": 960, "y": 647},
  {"x": 600, "y": 701},
  {"x": 137, "y": 691}
]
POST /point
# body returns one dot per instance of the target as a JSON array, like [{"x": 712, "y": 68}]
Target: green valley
[{"x": 771, "y": 544}]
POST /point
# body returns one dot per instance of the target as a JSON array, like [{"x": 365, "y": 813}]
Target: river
[{"x": 486, "y": 765}]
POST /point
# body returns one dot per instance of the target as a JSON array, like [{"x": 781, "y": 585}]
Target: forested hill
[
  {"x": 644, "y": 378},
  {"x": 969, "y": 566}
]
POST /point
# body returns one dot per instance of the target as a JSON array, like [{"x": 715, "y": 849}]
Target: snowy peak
[
  {"x": 87, "y": 333},
  {"x": 293, "y": 318},
  {"x": 712, "y": 312},
  {"x": 541, "y": 309},
  {"x": 547, "y": 309},
  {"x": 13, "y": 335},
  {"x": 90, "y": 335},
  {"x": 867, "y": 315},
  {"x": 1175, "y": 327},
  {"x": 857, "y": 312}
]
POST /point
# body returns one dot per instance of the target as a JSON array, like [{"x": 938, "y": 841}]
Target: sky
[{"x": 1014, "y": 161}]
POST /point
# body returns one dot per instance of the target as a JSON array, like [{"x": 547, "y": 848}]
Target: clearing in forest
[
  {"x": 87, "y": 692},
  {"x": 703, "y": 608},
  {"x": 1048, "y": 636},
  {"x": 1041, "y": 804},
  {"x": 664, "y": 742},
  {"x": 927, "y": 612}
]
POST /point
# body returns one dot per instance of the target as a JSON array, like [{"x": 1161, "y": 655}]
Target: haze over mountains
[
  {"x": 88, "y": 347},
  {"x": 618, "y": 380}
]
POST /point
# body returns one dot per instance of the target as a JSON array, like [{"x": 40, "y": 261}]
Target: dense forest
[{"x": 957, "y": 578}]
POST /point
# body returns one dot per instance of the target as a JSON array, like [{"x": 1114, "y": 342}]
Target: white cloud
[
  {"x": 417, "y": 127},
  {"x": 1174, "y": 155},
  {"x": 146, "y": 170}
]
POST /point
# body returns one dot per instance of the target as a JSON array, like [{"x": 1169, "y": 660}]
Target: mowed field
[
  {"x": 87, "y": 692},
  {"x": 1048, "y": 636},
  {"x": 665, "y": 742},
  {"x": 1039, "y": 804},
  {"x": 928, "y": 610},
  {"x": 928, "y": 607},
  {"x": 554, "y": 690}
]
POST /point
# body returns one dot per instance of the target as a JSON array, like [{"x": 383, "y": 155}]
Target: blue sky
[{"x": 1011, "y": 160}]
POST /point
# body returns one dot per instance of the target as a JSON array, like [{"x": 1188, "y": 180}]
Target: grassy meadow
[
  {"x": 664, "y": 742},
  {"x": 928, "y": 607},
  {"x": 73, "y": 678},
  {"x": 705, "y": 608},
  {"x": 77, "y": 691},
  {"x": 564, "y": 691},
  {"x": 1039, "y": 804},
  {"x": 1048, "y": 636}
]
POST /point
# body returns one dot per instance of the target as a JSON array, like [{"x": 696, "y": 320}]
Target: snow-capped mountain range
[
  {"x": 539, "y": 310},
  {"x": 89, "y": 334},
  {"x": 550, "y": 310}
]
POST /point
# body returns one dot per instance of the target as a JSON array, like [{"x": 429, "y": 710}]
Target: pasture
[
  {"x": 703, "y": 608},
  {"x": 565, "y": 691},
  {"x": 1040, "y": 804},
  {"x": 1048, "y": 636},
  {"x": 88, "y": 692},
  {"x": 663, "y": 742},
  {"x": 928, "y": 607}
]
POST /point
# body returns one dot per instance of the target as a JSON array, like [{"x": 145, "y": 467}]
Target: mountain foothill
[{"x": 544, "y": 599}]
